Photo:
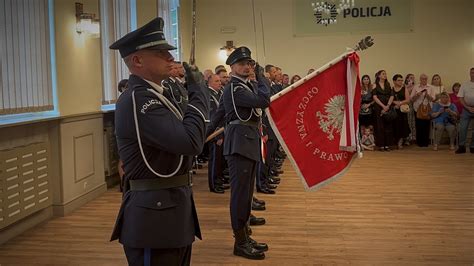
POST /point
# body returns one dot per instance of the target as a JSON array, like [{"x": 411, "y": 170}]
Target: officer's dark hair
[
  {"x": 397, "y": 76},
  {"x": 268, "y": 68},
  {"x": 122, "y": 85}
]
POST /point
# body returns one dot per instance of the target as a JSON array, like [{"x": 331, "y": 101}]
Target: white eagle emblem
[{"x": 331, "y": 122}]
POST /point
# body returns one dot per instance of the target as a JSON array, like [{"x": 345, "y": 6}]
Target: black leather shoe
[
  {"x": 258, "y": 246},
  {"x": 277, "y": 179},
  {"x": 270, "y": 186},
  {"x": 257, "y": 207},
  {"x": 265, "y": 191},
  {"x": 259, "y": 201},
  {"x": 225, "y": 186},
  {"x": 461, "y": 149},
  {"x": 471, "y": 149},
  {"x": 244, "y": 248},
  {"x": 273, "y": 181},
  {"x": 256, "y": 220},
  {"x": 218, "y": 190}
]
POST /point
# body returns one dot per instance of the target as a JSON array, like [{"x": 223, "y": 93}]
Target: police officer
[
  {"x": 215, "y": 166},
  {"x": 243, "y": 106},
  {"x": 176, "y": 88},
  {"x": 157, "y": 221}
]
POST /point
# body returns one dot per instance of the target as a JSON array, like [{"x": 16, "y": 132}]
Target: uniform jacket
[
  {"x": 243, "y": 139},
  {"x": 163, "y": 218}
]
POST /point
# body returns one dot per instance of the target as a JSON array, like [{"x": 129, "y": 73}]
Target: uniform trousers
[
  {"x": 216, "y": 165},
  {"x": 272, "y": 147},
  {"x": 242, "y": 172},
  {"x": 161, "y": 256}
]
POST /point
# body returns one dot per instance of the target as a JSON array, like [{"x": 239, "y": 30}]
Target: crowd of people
[{"x": 406, "y": 111}]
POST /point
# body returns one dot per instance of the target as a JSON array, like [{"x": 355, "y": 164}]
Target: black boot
[
  {"x": 257, "y": 207},
  {"x": 256, "y": 220},
  {"x": 259, "y": 201},
  {"x": 249, "y": 230},
  {"x": 243, "y": 247},
  {"x": 258, "y": 246}
]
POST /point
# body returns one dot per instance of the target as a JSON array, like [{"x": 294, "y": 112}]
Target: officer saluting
[
  {"x": 157, "y": 222},
  {"x": 243, "y": 106}
]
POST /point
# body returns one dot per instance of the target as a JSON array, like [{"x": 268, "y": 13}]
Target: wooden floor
[{"x": 414, "y": 206}]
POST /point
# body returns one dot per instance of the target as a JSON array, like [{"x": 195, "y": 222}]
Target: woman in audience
[
  {"x": 383, "y": 97},
  {"x": 294, "y": 79},
  {"x": 366, "y": 117},
  {"x": 400, "y": 103},
  {"x": 422, "y": 97},
  {"x": 409, "y": 85},
  {"x": 454, "y": 97},
  {"x": 444, "y": 115},
  {"x": 437, "y": 86}
]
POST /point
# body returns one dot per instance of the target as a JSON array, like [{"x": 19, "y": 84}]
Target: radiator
[
  {"x": 25, "y": 185},
  {"x": 110, "y": 152}
]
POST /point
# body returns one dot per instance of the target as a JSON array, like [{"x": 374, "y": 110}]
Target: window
[
  {"x": 118, "y": 17},
  {"x": 169, "y": 11},
  {"x": 25, "y": 57}
]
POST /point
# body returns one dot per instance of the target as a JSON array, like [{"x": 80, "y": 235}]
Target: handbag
[
  {"x": 405, "y": 108},
  {"x": 423, "y": 111}
]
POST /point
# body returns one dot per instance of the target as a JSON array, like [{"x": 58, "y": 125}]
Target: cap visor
[{"x": 164, "y": 46}]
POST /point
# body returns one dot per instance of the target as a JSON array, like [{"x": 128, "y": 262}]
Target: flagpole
[
  {"x": 314, "y": 73},
  {"x": 362, "y": 45}
]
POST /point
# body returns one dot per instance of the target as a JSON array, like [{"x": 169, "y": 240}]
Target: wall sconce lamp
[
  {"x": 226, "y": 50},
  {"x": 86, "y": 22}
]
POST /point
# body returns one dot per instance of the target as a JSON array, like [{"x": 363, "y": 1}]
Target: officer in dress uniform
[
  {"x": 176, "y": 87},
  {"x": 216, "y": 158},
  {"x": 157, "y": 222},
  {"x": 243, "y": 106}
]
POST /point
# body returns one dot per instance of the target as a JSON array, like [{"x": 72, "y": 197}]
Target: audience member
[
  {"x": 437, "y": 86},
  {"x": 409, "y": 85},
  {"x": 454, "y": 97},
  {"x": 422, "y": 97},
  {"x": 466, "y": 97},
  {"x": 444, "y": 116},
  {"x": 294, "y": 79},
  {"x": 366, "y": 116},
  {"x": 383, "y": 97},
  {"x": 400, "y": 103}
]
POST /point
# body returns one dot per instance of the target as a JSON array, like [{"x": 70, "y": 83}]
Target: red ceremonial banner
[{"x": 316, "y": 121}]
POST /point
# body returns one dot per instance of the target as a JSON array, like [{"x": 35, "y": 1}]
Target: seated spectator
[
  {"x": 454, "y": 97},
  {"x": 294, "y": 79},
  {"x": 444, "y": 116},
  {"x": 367, "y": 139}
]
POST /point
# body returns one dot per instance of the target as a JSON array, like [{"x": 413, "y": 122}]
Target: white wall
[{"x": 442, "y": 41}]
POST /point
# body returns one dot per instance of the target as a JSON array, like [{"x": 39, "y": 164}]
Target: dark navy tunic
[{"x": 163, "y": 218}]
